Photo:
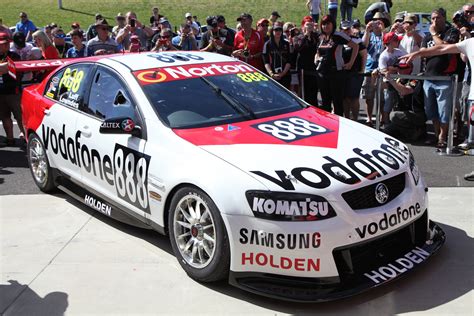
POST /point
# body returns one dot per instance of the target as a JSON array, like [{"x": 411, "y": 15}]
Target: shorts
[
  {"x": 390, "y": 99},
  {"x": 353, "y": 85},
  {"x": 438, "y": 100},
  {"x": 368, "y": 88},
  {"x": 10, "y": 103}
]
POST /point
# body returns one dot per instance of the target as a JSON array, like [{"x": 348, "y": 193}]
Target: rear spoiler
[{"x": 16, "y": 68}]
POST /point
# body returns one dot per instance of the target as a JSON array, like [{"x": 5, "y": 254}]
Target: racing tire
[
  {"x": 198, "y": 235},
  {"x": 39, "y": 164}
]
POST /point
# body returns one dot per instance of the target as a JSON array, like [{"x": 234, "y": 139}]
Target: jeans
[
  {"x": 346, "y": 12},
  {"x": 438, "y": 100}
]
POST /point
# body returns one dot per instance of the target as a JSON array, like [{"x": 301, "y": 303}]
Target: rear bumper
[{"x": 354, "y": 277}]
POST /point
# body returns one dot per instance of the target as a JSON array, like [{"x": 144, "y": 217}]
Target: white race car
[{"x": 250, "y": 183}]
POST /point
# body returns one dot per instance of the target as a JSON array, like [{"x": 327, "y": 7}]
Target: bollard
[
  {"x": 378, "y": 101},
  {"x": 302, "y": 86}
]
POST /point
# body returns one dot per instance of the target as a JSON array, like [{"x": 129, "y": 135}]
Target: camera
[
  {"x": 294, "y": 32},
  {"x": 246, "y": 53},
  {"x": 278, "y": 70},
  {"x": 460, "y": 18},
  {"x": 133, "y": 22}
]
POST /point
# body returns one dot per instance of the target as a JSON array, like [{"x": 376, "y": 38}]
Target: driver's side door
[{"x": 118, "y": 168}]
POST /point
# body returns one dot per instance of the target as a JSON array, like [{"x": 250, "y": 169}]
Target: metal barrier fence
[{"x": 450, "y": 149}]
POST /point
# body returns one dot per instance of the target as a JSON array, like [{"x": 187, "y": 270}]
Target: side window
[
  {"x": 69, "y": 85},
  {"x": 109, "y": 98}
]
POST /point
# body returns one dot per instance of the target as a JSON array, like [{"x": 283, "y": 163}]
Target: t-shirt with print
[
  {"x": 374, "y": 49},
  {"x": 467, "y": 48},
  {"x": 8, "y": 85},
  {"x": 439, "y": 65},
  {"x": 330, "y": 50}
]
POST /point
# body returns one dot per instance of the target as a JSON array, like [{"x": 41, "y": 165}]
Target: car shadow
[
  {"x": 444, "y": 278},
  {"x": 20, "y": 299}
]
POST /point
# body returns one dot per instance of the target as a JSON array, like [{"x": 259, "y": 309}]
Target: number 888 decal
[
  {"x": 131, "y": 176},
  {"x": 290, "y": 129}
]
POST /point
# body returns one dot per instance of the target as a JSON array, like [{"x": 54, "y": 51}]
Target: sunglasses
[
  {"x": 166, "y": 36},
  {"x": 23, "y": 16},
  {"x": 279, "y": 29},
  {"x": 60, "y": 36}
]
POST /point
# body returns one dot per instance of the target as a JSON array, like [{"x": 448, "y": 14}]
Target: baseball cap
[
  {"x": 75, "y": 24},
  {"x": 275, "y": 13},
  {"x": 102, "y": 22},
  {"x": 188, "y": 15},
  {"x": 220, "y": 18},
  {"x": 98, "y": 16},
  {"x": 4, "y": 38},
  {"x": 278, "y": 26},
  {"x": 390, "y": 36},
  {"x": 244, "y": 16},
  {"x": 259, "y": 22},
  {"x": 345, "y": 25},
  {"x": 411, "y": 18},
  {"x": 402, "y": 65},
  {"x": 120, "y": 16},
  {"x": 356, "y": 23},
  {"x": 399, "y": 17}
]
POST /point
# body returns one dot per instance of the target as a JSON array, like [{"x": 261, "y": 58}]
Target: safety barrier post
[
  {"x": 302, "y": 86},
  {"x": 378, "y": 100}
]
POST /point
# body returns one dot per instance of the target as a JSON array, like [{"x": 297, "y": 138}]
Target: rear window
[{"x": 213, "y": 94}]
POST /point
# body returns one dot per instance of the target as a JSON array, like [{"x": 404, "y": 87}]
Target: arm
[
  {"x": 363, "y": 54},
  {"x": 433, "y": 51},
  {"x": 401, "y": 89},
  {"x": 3, "y": 68},
  {"x": 366, "y": 36},
  {"x": 122, "y": 34},
  {"x": 308, "y": 4},
  {"x": 355, "y": 51}
]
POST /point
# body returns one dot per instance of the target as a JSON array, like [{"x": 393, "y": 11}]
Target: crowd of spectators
[{"x": 312, "y": 57}]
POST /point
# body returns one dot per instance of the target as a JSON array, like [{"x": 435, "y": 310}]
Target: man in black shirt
[
  {"x": 9, "y": 97},
  {"x": 438, "y": 94}
]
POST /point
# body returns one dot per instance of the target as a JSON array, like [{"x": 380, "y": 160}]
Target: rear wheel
[
  {"x": 39, "y": 164},
  {"x": 198, "y": 235}
]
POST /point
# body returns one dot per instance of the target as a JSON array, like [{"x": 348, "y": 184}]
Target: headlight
[
  {"x": 415, "y": 172},
  {"x": 283, "y": 206}
]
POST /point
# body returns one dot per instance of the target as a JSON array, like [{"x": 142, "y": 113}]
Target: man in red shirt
[{"x": 248, "y": 43}]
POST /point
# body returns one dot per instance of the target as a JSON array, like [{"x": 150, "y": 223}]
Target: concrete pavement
[{"x": 57, "y": 256}]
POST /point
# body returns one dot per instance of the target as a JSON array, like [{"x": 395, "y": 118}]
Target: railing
[{"x": 450, "y": 149}]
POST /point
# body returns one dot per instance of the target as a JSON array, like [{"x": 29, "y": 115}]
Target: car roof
[{"x": 147, "y": 60}]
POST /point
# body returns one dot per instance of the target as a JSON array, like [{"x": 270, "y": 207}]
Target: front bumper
[{"x": 361, "y": 267}]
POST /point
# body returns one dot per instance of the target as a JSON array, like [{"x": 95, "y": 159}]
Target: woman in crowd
[
  {"x": 276, "y": 55},
  {"x": 47, "y": 48},
  {"x": 330, "y": 64}
]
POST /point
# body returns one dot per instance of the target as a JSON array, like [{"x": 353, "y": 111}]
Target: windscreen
[{"x": 214, "y": 94}]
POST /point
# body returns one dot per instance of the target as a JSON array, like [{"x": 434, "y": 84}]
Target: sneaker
[
  {"x": 469, "y": 176},
  {"x": 466, "y": 145}
]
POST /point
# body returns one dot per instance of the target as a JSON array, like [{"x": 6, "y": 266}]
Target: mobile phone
[{"x": 133, "y": 22}]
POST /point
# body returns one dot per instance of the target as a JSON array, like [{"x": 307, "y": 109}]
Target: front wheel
[
  {"x": 198, "y": 235},
  {"x": 39, "y": 164}
]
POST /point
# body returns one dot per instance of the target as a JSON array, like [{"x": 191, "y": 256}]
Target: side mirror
[{"x": 121, "y": 125}]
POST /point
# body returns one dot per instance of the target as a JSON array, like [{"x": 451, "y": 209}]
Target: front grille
[
  {"x": 355, "y": 260},
  {"x": 365, "y": 197}
]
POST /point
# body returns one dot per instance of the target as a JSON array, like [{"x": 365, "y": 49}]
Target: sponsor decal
[
  {"x": 98, "y": 205},
  {"x": 282, "y": 263},
  {"x": 381, "y": 193},
  {"x": 280, "y": 240},
  {"x": 284, "y": 206},
  {"x": 370, "y": 166},
  {"x": 127, "y": 125},
  {"x": 291, "y": 129},
  {"x": 399, "y": 266},
  {"x": 231, "y": 128},
  {"x": 388, "y": 221},
  {"x": 172, "y": 73},
  {"x": 110, "y": 125},
  {"x": 126, "y": 171}
]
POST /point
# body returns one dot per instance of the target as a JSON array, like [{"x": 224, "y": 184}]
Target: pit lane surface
[{"x": 59, "y": 256}]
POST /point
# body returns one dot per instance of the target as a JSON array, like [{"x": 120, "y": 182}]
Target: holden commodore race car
[{"x": 251, "y": 184}]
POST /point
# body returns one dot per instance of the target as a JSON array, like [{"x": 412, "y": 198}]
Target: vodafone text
[
  {"x": 399, "y": 266},
  {"x": 370, "y": 166},
  {"x": 388, "y": 221},
  {"x": 127, "y": 172}
]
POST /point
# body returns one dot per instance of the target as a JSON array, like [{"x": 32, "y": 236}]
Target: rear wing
[{"x": 16, "y": 68}]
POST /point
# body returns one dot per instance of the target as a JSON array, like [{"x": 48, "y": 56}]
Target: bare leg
[
  {"x": 8, "y": 127},
  {"x": 355, "y": 107},
  {"x": 369, "y": 109}
]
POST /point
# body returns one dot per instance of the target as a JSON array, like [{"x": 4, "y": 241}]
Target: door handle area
[{"x": 86, "y": 132}]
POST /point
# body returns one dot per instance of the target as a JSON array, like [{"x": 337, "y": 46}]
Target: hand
[
  {"x": 433, "y": 29},
  {"x": 237, "y": 53},
  {"x": 409, "y": 57},
  {"x": 276, "y": 76},
  {"x": 347, "y": 66},
  {"x": 465, "y": 32},
  {"x": 370, "y": 26},
  {"x": 394, "y": 26}
]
